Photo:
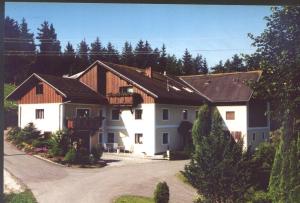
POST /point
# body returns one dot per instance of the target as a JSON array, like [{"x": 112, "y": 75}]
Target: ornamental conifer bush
[{"x": 161, "y": 193}]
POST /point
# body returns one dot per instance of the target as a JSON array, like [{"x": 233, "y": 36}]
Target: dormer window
[
  {"x": 39, "y": 88},
  {"x": 126, "y": 90},
  {"x": 175, "y": 88},
  {"x": 188, "y": 89}
]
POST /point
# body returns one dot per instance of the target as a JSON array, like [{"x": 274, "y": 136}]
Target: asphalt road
[{"x": 53, "y": 183}]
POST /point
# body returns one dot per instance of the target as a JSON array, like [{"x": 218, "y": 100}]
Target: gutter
[{"x": 59, "y": 118}]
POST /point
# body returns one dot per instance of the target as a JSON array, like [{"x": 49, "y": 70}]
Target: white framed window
[
  {"x": 83, "y": 112},
  {"x": 115, "y": 114},
  {"x": 165, "y": 138},
  {"x": 138, "y": 138},
  {"x": 39, "y": 114},
  {"x": 165, "y": 114},
  {"x": 184, "y": 114}
]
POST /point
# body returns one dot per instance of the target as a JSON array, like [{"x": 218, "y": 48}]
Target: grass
[
  {"x": 23, "y": 197},
  {"x": 134, "y": 199},
  {"x": 8, "y": 88}
]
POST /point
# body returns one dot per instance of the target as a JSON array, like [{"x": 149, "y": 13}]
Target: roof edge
[{"x": 217, "y": 74}]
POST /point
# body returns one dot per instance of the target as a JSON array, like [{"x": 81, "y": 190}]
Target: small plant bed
[
  {"x": 60, "y": 147},
  {"x": 24, "y": 197},
  {"x": 134, "y": 199}
]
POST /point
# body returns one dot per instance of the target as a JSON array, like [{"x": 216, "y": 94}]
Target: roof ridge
[{"x": 221, "y": 74}]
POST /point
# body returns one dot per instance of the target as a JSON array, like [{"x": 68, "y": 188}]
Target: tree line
[{"x": 26, "y": 53}]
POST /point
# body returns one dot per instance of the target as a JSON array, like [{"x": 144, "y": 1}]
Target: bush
[
  {"x": 14, "y": 135},
  {"x": 97, "y": 152},
  {"x": 260, "y": 197},
  {"x": 30, "y": 133},
  {"x": 70, "y": 157},
  {"x": 82, "y": 156},
  {"x": 59, "y": 143},
  {"x": 161, "y": 193}
]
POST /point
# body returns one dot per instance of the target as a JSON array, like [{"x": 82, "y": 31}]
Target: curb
[{"x": 44, "y": 159}]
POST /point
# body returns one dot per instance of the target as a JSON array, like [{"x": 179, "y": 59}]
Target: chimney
[{"x": 148, "y": 72}]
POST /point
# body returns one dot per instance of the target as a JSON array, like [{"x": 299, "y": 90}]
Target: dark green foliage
[
  {"x": 111, "y": 54},
  {"x": 82, "y": 156},
  {"x": 127, "y": 56},
  {"x": 187, "y": 61},
  {"x": 59, "y": 143},
  {"x": 184, "y": 130},
  {"x": 97, "y": 152},
  {"x": 83, "y": 55},
  {"x": 161, "y": 193},
  {"x": 69, "y": 60},
  {"x": 30, "y": 133},
  {"x": 216, "y": 169},
  {"x": 70, "y": 156},
  {"x": 14, "y": 135},
  {"x": 179, "y": 155},
  {"x": 23, "y": 197},
  {"x": 96, "y": 51}
]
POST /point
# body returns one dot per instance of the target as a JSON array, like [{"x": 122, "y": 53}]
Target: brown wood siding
[
  {"x": 114, "y": 82},
  {"x": 90, "y": 78},
  {"x": 49, "y": 96}
]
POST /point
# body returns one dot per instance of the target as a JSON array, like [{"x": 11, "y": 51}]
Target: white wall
[
  {"x": 170, "y": 126},
  {"x": 240, "y": 121},
  {"x": 51, "y": 121},
  {"x": 125, "y": 129}
]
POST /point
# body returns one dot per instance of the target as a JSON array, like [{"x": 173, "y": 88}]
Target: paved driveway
[{"x": 53, "y": 183}]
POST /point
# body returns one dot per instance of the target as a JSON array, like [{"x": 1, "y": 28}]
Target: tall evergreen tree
[
  {"x": 172, "y": 66},
  {"x": 127, "y": 56},
  {"x": 235, "y": 64},
  {"x": 219, "y": 68},
  {"x": 162, "y": 61},
  {"x": 69, "y": 60},
  {"x": 139, "y": 54},
  {"x": 112, "y": 55},
  {"x": 83, "y": 55},
  {"x": 188, "y": 66},
  {"x": 200, "y": 65},
  {"x": 49, "y": 55},
  {"x": 96, "y": 51}
]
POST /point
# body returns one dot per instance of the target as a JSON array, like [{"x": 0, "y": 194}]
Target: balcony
[
  {"x": 127, "y": 99},
  {"x": 84, "y": 123}
]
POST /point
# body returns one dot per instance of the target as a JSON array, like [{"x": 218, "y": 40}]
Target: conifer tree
[
  {"x": 112, "y": 55},
  {"x": 188, "y": 66},
  {"x": 69, "y": 60},
  {"x": 127, "y": 56},
  {"x": 219, "y": 68},
  {"x": 163, "y": 59},
  {"x": 139, "y": 53},
  {"x": 95, "y": 52}
]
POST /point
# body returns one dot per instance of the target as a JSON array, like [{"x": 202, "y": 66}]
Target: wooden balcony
[
  {"x": 84, "y": 123},
  {"x": 129, "y": 100}
]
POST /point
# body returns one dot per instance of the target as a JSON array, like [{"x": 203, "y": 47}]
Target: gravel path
[{"x": 53, "y": 183}]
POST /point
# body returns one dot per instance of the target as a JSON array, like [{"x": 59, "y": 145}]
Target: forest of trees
[{"x": 26, "y": 53}]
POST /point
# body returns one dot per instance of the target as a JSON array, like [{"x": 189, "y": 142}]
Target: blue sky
[{"x": 214, "y": 31}]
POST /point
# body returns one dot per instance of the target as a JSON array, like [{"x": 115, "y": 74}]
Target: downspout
[{"x": 60, "y": 126}]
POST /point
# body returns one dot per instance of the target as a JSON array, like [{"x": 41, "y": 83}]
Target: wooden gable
[{"x": 49, "y": 95}]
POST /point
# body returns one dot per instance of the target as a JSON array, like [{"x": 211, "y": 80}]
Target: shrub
[
  {"x": 179, "y": 155},
  {"x": 30, "y": 133},
  {"x": 82, "y": 156},
  {"x": 59, "y": 143},
  {"x": 97, "y": 152},
  {"x": 70, "y": 156},
  {"x": 260, "y": 197},
  {"x": 161, "y": 193},
  {"x": 14, "y": 134}
]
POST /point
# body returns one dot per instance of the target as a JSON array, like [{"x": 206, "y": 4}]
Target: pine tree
[
  {"x": 219, "y": 68},
  {"x": 127, "y": 56},
  {"x": 83, "y": 55},
  {"x": 49, "y": 55},
  {"x": 112, "y": 55},
  {"x": 69, "y": 60},
  {"x": 162, "y": 61},
  {"x": 95, "y": 52},
  {"x": 171, "y": 65},
  {"x": 214, "y": 169},
  {"x": 139, "y": 54},
  {"x": 235, "y": 64},
  {"x": 188, "y": 66},
  {"x": 200, "y": 65}
]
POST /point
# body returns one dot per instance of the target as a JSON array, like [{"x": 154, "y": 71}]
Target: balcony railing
[
  {"x": 84, "y": 123},
  {"x": 119, "y": 99}
]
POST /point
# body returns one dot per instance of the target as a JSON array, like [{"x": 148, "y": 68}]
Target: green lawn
[
  {"x": 8, "y": 88},
  {"x": 23, "y": 197},
  {"x": 134, "y": 199}
]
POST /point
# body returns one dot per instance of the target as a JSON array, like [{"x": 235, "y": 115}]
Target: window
[
  {"x": 100, "y": 138},
  {"x": 253, "y": 136},
  {"x": 138, "y": 114},
  {"x": 184, "y": 114},
  {"x": 138, "y": 138},
  {"x": 165, "y": 114},
  {"x": 165, "y": 138},
  {"x": 230, "y": 115},
  {"x": 39, "y": 113},
  {"x": 83, "y": 113},
  {"x": 110, "y": 138},
  {"x": 115, "y": 114},
  {"x": 196, "y": 114},
  {"x": 39, "y": 89},
  {"x": 126, "y": 90}
]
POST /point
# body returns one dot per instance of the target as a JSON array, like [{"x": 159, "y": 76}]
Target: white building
[{"x": 138, "y": 110}]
